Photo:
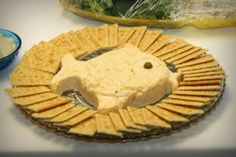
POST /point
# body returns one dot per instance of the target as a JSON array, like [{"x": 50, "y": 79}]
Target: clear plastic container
[{"x": 159, "y": 13}]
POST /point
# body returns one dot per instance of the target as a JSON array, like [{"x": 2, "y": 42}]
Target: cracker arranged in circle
[
  {"x": 113, "y": 35},
  {"x": 68, "y": 114},
  {"x": 45, "y": 105},
  {"x": 148, "y": 38},
  {"x": 184, "y": 102},
  {"x": 152, "y": 120},
  {"x": 204, "y": 78},
  {"x": 171, "y": 47},
  {"x": 136, "y": 38},
  {"x": 199, "y": 66},
  {"x": 26, "y": 91},
  {"x": 119, "y": 124},
  {"x": 105, "y": 125},
  {"x": 192, "y": 98},
  {"x": 200, "y": 86},
  {"x": 204, "y": 74},
  {"x": 167, "y": 115},
  {"x": 205, "y": 70},
  {"x": 28, "y": 100},
  {"x": 45, "y": 57},
  {"x": 136, "y": 115},
  {"x": 186, "y": 55},
  {"x": 80, "y": 48},
  {"x": 25, "y": 76},
  {"x": 176, "y": 52},
  {"x": 159, "y": 43},
  {"x": 196, "y": 93},
  {"x": 204, "y": 82},
  {"x": 87, "y": 127},
  {"x": 124, "y": 34},
  {"x": 129, "y": 122},
  {"x": 202, "y": 59},
  {"x": 89, "y": 39},
  {"x": 187, "y": 58},
  {"x": 101, "y": 35},
  {"x": 78, "y": 118},
  {"x": 53, "y": 112},
  {"x": 180, "y": 109}
]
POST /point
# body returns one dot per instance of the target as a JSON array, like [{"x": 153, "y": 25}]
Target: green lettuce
[{"x": 160, "y": 9}]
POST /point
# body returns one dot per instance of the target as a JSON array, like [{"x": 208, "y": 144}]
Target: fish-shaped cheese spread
[{"x": 116, "y": 79}]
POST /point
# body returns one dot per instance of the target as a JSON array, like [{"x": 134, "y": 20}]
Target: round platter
[{"x": 200, "y": 88}]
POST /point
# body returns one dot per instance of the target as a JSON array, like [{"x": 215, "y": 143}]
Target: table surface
[{"x": 35, "y": 20}]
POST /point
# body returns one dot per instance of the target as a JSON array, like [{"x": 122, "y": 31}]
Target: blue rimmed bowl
[{"x": 5, "y": 61}]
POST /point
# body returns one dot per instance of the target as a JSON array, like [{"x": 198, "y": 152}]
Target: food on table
[
  {"x": 158, "y": 13},
  {"x": 116, "y": 83}
]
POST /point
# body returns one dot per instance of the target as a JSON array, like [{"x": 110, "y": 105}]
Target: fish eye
[{"x": 147, "y": 65}]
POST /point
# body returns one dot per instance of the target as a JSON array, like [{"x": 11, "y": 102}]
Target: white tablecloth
[{"x": 35, "y": 20}]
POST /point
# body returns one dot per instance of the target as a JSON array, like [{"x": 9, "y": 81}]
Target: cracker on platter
[
  {"x": 119, "y": 124},
  {"x": 186, "y": 55},
  {"x": 187, "y": 111},
  {"x": 101, "y": 34},
  {"x": 167, "y": 115},
  {"x": 188, "y": 58},
  {"x": 202, "y": 59},
  {"x": 129, "y": 122},
  {"x": 201, "y": 83},
  {"x": 63, "y": 42},
  {"x": 68, "y": 114},
  {"x": 197, "y": 83},
  {"x": 196, "y": 93},
  {"x": 159, "y": 43},
  {"x": 184, "y": 102},
  {"x": 53, "y": 112},
  {"x": 148, "y": 38},
  {"x": 176, "y": 52},
  {"x": 136, "y": 38},
  {"x": 203, "y": 78},
  {"x": 41, "y": 58},
  {"x": 25, "y": 76},
  {"x": 154, "y": 121},
  {"x": 26, "y": 91},
  {"x": 200, "y": 88},
  {"x": 87, "y": 127},
  {"x": 171, "y": 47},
  {"x": 205, "y": 70},
  {"x": 113, "y": 35},
  {"x": 204, "y": 74},
  {"x": 124, "y": 33},
  {"x": 88, "y": 38},
  {"x": 200, "y": 66},
  {"x": 192, "y": 98},
  {"x": 28, "y": 100},
  {"x": 136, "y": 115},
  {"x": 105, "y": 125},
  {"x": 78, "y": 118},
  {"x": 80, "y": 48},
  {"x": 45, "y": 105}
]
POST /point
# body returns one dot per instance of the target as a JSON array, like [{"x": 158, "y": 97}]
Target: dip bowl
[{"x": 5, "y": 61}]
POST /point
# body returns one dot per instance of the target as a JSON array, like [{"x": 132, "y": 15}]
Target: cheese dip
[
  {"x": 116, "y": 79},
  {"x": 7, "y": 46}
]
